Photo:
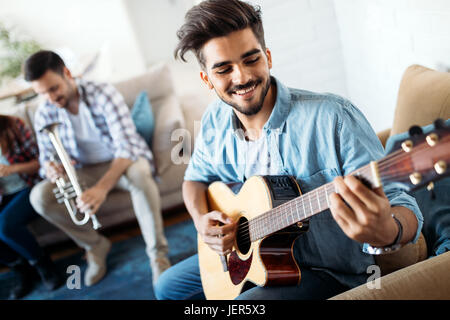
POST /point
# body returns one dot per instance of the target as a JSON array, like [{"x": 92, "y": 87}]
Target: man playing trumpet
[{"x": 100, "y": 137}]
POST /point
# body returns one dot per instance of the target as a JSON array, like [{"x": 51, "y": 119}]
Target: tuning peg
[
  {"x": 415, "y": 178},
  {"x": 432, "y": 139},
  {"x": 415, "y": 131},
  {"x": 407, "y": 145},
  {"x": 439, "y": 124},
  {"x": 440, "y": 166}
]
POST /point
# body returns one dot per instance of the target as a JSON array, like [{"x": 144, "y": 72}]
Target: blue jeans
[
  {"x": 182, "y": 282},
  {"x": 15, "y": 238}
]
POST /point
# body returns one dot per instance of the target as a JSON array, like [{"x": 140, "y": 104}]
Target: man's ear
[
  {"x": 269, "y": 58},
  {"x": 205, "y": 79},
  {"x": 66, "y": 72}
]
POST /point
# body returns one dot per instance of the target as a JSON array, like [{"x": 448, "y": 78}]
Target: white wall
[
  {"x": 355, "y": 48},
  {"x": 155, "y": 23},
  {"x": 380, "y": 39},
  {"x": 304, "y": 40},
  {"x": 302, "y": 35},
  {"x": 82, "y": 26}
]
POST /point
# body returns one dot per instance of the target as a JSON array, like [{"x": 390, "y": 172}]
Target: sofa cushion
[
  {"x": 406, "y": 256},
  {"x": 169, "y": 122},
  {"x": 426, "y": 280},
  {"x": 157, "y": 82},
  {"x": 142, "y": 115},
  {"x": 423, "y": 96}
]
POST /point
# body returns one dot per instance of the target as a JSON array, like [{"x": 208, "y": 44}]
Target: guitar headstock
[{"x": 420, "y": 160}]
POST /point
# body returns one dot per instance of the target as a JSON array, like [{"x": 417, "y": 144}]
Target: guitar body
[{"x": 264, "y": 262}]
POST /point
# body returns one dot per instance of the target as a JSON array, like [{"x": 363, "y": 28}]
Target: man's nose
[
  {"x": 241, "y": 76},
  {"x": 51, "y": 96}
]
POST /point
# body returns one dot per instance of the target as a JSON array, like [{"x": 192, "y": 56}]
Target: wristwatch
[{"x": 390, "y": 248}]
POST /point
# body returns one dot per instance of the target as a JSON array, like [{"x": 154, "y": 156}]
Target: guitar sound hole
[{"x": 242, "y": 236}]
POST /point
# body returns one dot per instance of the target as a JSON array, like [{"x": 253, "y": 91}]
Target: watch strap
[{"x": 400, "y": 231}]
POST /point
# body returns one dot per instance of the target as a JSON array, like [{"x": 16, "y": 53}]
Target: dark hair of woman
[{"x": 8, "y": 133}]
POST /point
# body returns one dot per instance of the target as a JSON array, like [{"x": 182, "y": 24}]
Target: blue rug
[{"x": 129, "y": 274}]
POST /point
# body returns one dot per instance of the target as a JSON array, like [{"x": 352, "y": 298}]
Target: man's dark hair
[
  {"x": 216, "y": 18},
  {"x": 40, "y": 62}
]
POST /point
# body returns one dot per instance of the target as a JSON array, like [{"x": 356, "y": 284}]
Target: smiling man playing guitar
[{"x": 261, "y": 128}]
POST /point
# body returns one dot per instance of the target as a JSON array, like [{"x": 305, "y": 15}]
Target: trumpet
[{"x": 67, "y": 191}]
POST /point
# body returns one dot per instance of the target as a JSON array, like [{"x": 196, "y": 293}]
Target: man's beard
[
  {"x": 70, "y": 95},
  {"x": 253, "y": 109},
  {"x": 63, "y": 106}
]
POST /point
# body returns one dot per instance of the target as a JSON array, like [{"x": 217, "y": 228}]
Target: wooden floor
[{"x": 114, "y": 234}]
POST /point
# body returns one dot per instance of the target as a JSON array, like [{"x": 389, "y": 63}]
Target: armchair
[{"x": 414, "y": 272}]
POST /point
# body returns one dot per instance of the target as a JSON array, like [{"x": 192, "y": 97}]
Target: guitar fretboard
[{"x": 298, "y": 209}]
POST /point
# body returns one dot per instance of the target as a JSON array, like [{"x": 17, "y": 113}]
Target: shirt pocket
[{"x": 314, "y": 181}]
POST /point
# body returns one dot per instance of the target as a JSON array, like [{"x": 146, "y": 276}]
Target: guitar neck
[
  {"x": 302, "y": 207},
  {"x": 417, "y": 162}
]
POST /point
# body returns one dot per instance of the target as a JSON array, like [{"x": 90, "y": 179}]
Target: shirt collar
[
  {"x": 80, "y": 83},
  {"x": 281, "y": 108}
]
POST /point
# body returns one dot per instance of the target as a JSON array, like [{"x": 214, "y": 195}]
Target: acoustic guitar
[{"x": 271, "y": 213}]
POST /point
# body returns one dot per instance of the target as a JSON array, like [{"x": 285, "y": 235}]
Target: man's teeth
[{"x": 245, "y": 90}]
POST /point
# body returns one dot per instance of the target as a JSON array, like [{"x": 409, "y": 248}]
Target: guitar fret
[
  {"x": 289, "y": 214},
  {"x": 318, "y": 199},
  {"x": 304, "y": 209},
  {"x": 260, "y": 228},
  {"x": 310, "y": 204},
  {"x": 292, "y": 209},
  {"x": 277, "y": 221},
  {"x": 264, "y": 226},
  {"x": 326, "y": 196},
  {"x": 296, "y": 210}
]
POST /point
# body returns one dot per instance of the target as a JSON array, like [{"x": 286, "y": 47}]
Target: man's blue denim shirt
[{"x": 315, "y": 138}]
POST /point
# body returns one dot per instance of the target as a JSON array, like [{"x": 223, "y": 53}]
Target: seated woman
[{"x": 18, "y": 173}]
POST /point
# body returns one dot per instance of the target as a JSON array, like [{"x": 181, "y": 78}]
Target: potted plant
[{"x": 14, "y": 50}]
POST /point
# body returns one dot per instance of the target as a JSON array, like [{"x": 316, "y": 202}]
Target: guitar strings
[
  {"x": 383, "y": 164},
  {"x": 388, "y": 160},
  {"x": 244, "y": 228}
]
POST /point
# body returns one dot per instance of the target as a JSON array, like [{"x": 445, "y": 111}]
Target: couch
[
  {"x": 414, "y": 272},
  {"x": 176, "y": 111},
  {"x": 179, "y": 103}
]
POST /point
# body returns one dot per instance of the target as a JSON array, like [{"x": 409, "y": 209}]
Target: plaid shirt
[
  {"x": 111, "y": 116},
  {"x": 24, "y": 150}
]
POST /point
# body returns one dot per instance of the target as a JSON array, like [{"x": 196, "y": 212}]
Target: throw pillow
[{"x": 143, "y": 118}]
